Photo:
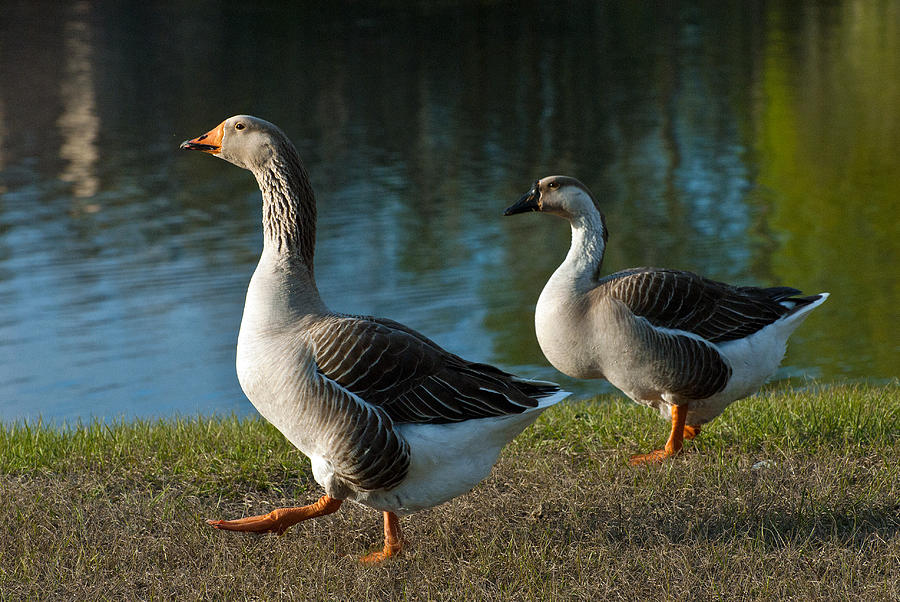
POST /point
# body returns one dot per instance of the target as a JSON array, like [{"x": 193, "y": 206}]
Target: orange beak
[{"x": 210, "y": 142}]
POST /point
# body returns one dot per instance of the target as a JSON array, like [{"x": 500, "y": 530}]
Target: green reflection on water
[{"x": 827, "y": 144}]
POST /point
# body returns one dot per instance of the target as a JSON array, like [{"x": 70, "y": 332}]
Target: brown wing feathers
[
  {"x": 685, "y": 301},
  {"x": 412, "y": 379},
  {"x": 362, "y": 447}
]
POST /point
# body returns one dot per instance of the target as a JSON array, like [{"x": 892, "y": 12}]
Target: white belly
[{"x": 446, "y": 461}]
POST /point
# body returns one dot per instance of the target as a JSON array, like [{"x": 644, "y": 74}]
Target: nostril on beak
[{"x": 201, "y": 137}]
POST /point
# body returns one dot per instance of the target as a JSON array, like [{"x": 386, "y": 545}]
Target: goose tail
[
  {"x": 544, "y": 392},
  {"x": 801, "y": 306}
]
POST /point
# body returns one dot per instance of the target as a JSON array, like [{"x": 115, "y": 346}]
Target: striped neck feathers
[{"x": 289, "y": 206}]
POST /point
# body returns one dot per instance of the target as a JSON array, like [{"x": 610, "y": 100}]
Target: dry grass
[{"x": 117, "y": 513}]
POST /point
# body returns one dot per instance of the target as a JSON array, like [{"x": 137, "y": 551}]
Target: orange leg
[
  {"x": 673, "y": 445},
  {"x": 392, "y": 541},
  {"x": 691, "y": 431},
  {"x": 278, "y": 520}
]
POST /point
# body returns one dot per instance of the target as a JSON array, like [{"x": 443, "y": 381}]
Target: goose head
[
  {"x": 558, "y": 195},
  {"x": 246, "y": 141}
]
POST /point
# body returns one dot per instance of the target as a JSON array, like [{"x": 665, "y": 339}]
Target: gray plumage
[
  {"x": 664, "y": 337},
  {"x": 355, "y": 392}
]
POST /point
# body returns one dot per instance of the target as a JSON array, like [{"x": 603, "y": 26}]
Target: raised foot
[
  {"x": 655, "y": 456},
  {"x": 278, "y": 520},
  {"x": 262, "y": 523}
]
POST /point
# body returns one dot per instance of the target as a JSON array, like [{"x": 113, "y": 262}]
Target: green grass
[{"x": 791, "y": 494}]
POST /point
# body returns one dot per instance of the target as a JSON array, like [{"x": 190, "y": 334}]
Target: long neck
[
  {"x": 585, "y": 258},
  {"x": 289, "y": 207}
]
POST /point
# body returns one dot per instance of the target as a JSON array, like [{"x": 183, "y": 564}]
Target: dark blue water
[{"x": 752, "y": 143}]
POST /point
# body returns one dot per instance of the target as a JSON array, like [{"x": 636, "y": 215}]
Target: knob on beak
[{"x": 530, "y": 201}]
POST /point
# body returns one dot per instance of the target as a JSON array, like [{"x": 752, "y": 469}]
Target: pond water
[{"x": 751, "y": 142}]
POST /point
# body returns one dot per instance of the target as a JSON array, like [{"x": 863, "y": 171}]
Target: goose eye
[
  {"x": 553, "y": 185},
  {"x": 238, "y": 126}
]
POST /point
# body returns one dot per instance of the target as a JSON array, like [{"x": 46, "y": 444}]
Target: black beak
[{"x": 530, "y": 201}]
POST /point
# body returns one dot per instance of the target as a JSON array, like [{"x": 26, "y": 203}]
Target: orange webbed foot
[
  {"x": 691, "y": 431},
  {"x": 279, "y": 520},
  {"x": 262, "y": 523},
  {"x": 673, "y": 445},
  {"x": 392, "y": 541},
  {"x": 655, "y": 456},
  {"x": 380, "y": 556}
]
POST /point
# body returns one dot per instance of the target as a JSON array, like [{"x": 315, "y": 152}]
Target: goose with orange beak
[{"x": 387, "y": 417}]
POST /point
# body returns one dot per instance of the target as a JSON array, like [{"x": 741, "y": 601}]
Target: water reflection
[
  {"x": 79, "y": 123},
  {"x": 753, "y": 143},
  {"x": 3, "y": 131},
  {"x": 828, "y": 147}
]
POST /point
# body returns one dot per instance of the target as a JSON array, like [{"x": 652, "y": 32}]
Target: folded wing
[
  {"x": 413, "y": 379},
  {"x": 715, "y": 311}
]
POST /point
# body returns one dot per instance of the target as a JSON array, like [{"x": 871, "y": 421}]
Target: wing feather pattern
[
  {"x": 358, "y": 439},
  {"x": 374, "y": 374},
  {"x": 411, "y": 378},
  {"x": 679, "y": 364},
  {"x": 716, "y": 311}
]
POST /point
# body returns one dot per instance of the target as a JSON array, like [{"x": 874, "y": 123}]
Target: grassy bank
[{"x": 789, "y": 495}]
